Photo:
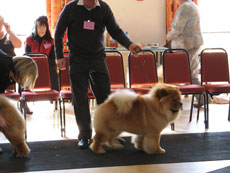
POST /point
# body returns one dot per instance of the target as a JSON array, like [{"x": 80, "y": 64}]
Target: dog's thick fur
[
  {"x": 143, "y": 115},
  {"x": 15, "y": 133}
]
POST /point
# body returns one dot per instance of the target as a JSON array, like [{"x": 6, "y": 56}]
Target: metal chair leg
[
  {"x": 191, "y": 109},
  {"x": 172, "y": 126},
  {"x": 61, "y": 117},
  {"x": 198, "y": 110},
  {"x": 22, "y": 109},
  {"x": 63, "y": 113},
  {"x": 228, "y": 110},
  {"x": 206, "y": 121}
]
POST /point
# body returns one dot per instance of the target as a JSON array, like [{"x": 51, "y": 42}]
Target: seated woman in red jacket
[{"x": 41, "y": 41}]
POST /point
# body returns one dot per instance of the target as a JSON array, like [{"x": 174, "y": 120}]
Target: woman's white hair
[{"x": 26, "y": 71}]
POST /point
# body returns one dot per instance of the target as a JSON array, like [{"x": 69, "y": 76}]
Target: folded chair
[
  {"x": 42, "y": 89},
  {"x": 215, "y": 72},
  {"x": 176, "y": 70},
  {"x": 142, "y": 71},
  {"x": 114, "y": 61}
]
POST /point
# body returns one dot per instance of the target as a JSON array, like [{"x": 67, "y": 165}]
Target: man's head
[{"x": 90, "y": 3}]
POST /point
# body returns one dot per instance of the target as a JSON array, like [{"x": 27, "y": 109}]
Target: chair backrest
[
  {"x": 176, "y": 67},
  {"x": 11, "y": 88},
  {"x": 214, "y": 65},
  {"x": 64, "y": 77},
  {"x": 11, "y": 92},
  {"x": 36, "y": 54},
  {"x": 114, "y": 61},
  {"x": 43, "y": 80},
  {"x": 142, "y": 69}
]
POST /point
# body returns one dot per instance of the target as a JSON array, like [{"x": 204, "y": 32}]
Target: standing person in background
[
  {"x": 186, "y": 34},
  {"x": 8, "y": 40},
  {"x": 41, "y": 41},
  {"x": 85, "y": 21}
]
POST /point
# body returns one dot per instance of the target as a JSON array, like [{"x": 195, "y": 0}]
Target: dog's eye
[{"x": 174, "y": 111}]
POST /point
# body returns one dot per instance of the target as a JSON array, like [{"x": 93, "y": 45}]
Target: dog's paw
[
  {"x": 115, "y": 143},
  {"x": 19, "y": 155},
  {"x": 138, "y": 146},
  {"x": 160, "y": 151},
  {"x": 98, "y": 150},
  {"x": 154, "y": 150}
]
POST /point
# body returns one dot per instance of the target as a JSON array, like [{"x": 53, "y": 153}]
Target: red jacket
[{"x": 45, "y": 46}]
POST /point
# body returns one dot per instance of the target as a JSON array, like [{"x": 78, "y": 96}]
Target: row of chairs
[
  {"x": 142, "y": 76},
  {"x": 176, "y": 70}
]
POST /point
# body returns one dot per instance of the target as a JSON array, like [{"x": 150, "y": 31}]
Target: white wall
[{"x": 144, "y": 20}]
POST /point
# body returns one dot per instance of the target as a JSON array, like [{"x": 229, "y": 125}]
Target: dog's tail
[{"x": 123, "y": 99}]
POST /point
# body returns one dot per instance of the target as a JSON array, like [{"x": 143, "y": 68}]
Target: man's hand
[
  {"x": 61, "y": 64},
  {"x": 135, "y": 49}
]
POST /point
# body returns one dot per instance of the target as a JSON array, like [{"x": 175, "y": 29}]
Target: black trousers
[{"x": 81, "y": 74}]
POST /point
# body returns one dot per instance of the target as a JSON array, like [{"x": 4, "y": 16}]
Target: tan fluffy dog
[
  {"x": 16, "y": 131},
  {"x": 144, "y": 115}
]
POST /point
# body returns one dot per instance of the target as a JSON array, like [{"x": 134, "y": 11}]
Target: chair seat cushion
[
  {"x": 115, "y": 89},
  {"x": 90, "y": 94},
  {"x": 191, "y": 89},
  {"x": 66, "y": 94},
  {"x": 40, "y": 95},
  {"x": 12, "y": 95},
  {"x": 219, "y": 88},
  {"x": 141, "y": 90}
]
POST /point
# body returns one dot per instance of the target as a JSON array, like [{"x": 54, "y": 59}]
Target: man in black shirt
[{"x": 85, "y": 21}]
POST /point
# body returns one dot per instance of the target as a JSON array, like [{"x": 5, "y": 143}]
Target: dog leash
[{"x": 141, "y": 65}]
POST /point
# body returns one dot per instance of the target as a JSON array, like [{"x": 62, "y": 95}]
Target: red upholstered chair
[
  {"x": 176, "y": 70},
  {"x": 114, "y": 61},
  {"x": 215, "y": 72},
  {"x": 142, "y": 71},
  {"x": 11, "y": 93},
  {"x": 42, "y": 90}
]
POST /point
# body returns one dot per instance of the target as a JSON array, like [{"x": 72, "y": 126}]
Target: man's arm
[
  {"x": 17, "y": 43},
  {"x": 60, "y": 29}
]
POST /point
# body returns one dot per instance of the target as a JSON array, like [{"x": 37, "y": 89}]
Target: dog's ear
[{"x": 161, "y": 93}]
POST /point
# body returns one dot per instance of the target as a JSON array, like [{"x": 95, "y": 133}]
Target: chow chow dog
[
  {"x": 144, "y": 115},
  {"x": 15, "y": 132}
]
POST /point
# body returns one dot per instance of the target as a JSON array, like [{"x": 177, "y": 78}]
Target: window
[
  {"x": 215, "y": 24},
  {"x": 21, "y": 14}
]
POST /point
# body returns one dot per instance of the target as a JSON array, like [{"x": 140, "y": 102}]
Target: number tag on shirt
[
  {"x": 47, "y": 45},
  {"x": 89, "y": 25}
]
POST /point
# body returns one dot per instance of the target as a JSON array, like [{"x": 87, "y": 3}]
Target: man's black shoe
[{"x": 84, "y": 143}]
